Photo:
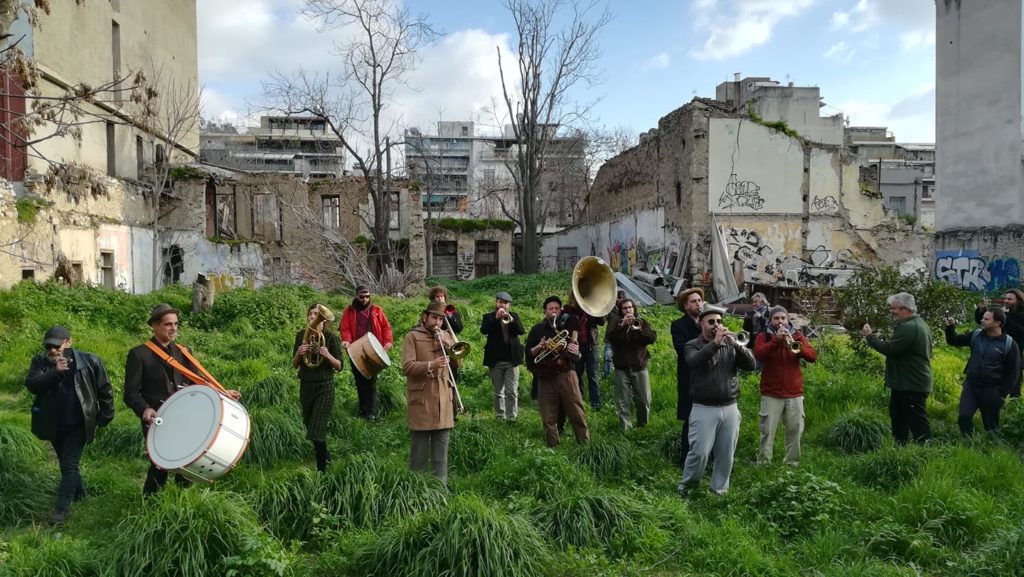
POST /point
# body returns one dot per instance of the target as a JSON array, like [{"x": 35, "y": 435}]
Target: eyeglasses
[
  {"x": 364, "y": 296},
  {"x": 50, "y": 347},
  {"x": 715, "y": 321}
]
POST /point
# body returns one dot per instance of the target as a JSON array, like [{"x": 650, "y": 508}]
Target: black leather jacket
[{"x": 92, "y": 387}]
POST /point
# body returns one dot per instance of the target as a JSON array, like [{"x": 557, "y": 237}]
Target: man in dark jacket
[
  {"x": 1013, "y": 306},
  {"x": 683, "y": 330},
  {"x": 629, "y": 346},
  {"x": 73, "y": 397},
  {"x": 991, "y": 371},
  {"x": 588, "y": 341},
  {"x": 553, "y": 370},
  {"x": 713, "y": 359},
  {"x": 503, "y": 354},
  {"x": 149, "y": 381},
  {"x": 908, "y": 371}
]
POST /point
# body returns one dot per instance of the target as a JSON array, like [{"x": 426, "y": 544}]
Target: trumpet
[
  {"x": 314, "y": 337},
  {"x": 637, "y": 323},
  {"x": 459, "y": 349},
  {"x": 741, "y": 338},
  {"x": 506, "y": 317},
  {"x": 794, "y": 345},
  {"x": 456, "y": 397}
]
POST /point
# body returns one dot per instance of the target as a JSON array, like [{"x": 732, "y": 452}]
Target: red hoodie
[{"x": 781, "y": 376}]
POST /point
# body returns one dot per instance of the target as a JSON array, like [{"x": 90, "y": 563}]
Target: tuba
[
  {"x": 314, "y": 337},
  {"x": 594, "y": 286}
]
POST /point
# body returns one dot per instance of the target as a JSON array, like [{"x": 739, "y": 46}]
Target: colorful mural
[{"x": 968, "y": 269}]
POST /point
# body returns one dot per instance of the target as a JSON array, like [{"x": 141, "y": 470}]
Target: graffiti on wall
[
  {"x": 763, "y": 264},
  {"x": 827, "y": 203},
  {"x": 223, "y": 282},
  {"x": 466, "y": 266},
  {"x": 970, "y": 270},
  {"x": 741, "y": 194}
]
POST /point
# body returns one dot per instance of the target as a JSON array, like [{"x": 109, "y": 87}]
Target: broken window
[
  {"x": 107, "y": 269},
  {"x": 330, "y": 206},
  {"x": 174, "y": 264},
  {"x": 28, "y": 274},
  {"x": 266, "y": 217},
  {"x": 486, "y": 258},
  {"x": 225, "y": 214}
]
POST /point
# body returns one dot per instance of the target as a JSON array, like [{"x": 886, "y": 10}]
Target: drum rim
[{"x": 198, "y": 454}]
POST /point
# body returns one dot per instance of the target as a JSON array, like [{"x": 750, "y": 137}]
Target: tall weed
[{"x": 857, "y": 431}]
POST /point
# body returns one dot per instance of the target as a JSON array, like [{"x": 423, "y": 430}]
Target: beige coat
[{"x": 429, "y": 396}]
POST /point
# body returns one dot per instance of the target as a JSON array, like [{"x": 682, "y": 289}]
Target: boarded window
[
  {"x": 107, "y": 269},
  {"x": 486, "y": 260},
  {"x": 568, "y": 256},
  {"x": 266, "y": 217},
  {"x": 446, "y": 262}
]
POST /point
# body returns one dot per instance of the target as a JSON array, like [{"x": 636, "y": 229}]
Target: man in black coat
[
  {"x": 503, "y": 353},
  {"x": 149, "y": 381},
  {"x": 684, "y": 330},
  {"x": 73, "y": 398}
]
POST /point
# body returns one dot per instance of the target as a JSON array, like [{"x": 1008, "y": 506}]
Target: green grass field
[{"x": 857, "y": 505}]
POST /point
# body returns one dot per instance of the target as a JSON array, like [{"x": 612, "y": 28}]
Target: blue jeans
[{"x": 588, "y": 362}]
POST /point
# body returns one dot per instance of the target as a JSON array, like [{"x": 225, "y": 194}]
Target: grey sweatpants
[
  {"x": 505, "y": 378},
  {"x": 712, "y": 430}
]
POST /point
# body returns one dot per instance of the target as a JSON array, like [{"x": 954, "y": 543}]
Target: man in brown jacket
[
  {"x": 630, "y": 336},
  {"x": 557, "y": 385},
  {"x": 431, "y": 409}
]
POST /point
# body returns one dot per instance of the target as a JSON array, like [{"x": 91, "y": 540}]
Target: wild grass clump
[
  {"x": 364, "y": 490},
  {"x": 617, "y": 523},
  {"x": 193, "y": 532},
  {"x": 892, "y": 541},
  {"x": 1011, "y": 422},
  {"x": 26, "y": 489},
  {"x": 19, "y": 443},
  {"x": 542, "y": 474},
  {"x": 672, "y": 447},
  {"x": 607, "y": 457},
  {"x": 467, "y": 538},
  {"x": 890, "y": 467},
  {"x": 277, "y": 435},
  {"x": 287, "y": 504},
  {"x": 120, "y": 439},
  {"x": 390, "y": 393},
  {"x": 858, "y": 431},
  {"x": 1002, "y": 555},
  {"x": 475, "y": 443},
  {"x": 272, "y": 391},
  {"x": 954, "y": 515},
  {"x": 37, "y": 554},
  {"x": 796, "y": 502}
]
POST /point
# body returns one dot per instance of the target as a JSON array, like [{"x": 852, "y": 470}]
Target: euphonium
[{"x": 314, "y": 337}]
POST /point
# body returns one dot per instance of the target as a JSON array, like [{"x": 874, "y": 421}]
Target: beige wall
[{"x": 73, "y": 44}]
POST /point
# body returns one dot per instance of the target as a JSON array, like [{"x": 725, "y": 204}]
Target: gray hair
[
  {"x": 764, "y": 299},
  {"x": 903, "y": 300}
]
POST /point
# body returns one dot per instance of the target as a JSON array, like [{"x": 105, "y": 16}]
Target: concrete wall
[
  {"x": 466, "y": 242},
  {"x": 800, "y": 108},
  {"x": 753, "y": 169},
  {"x": 980, "y": 259},
  {"x": 978, "y": 114}
]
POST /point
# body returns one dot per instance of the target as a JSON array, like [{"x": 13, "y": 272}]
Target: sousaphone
[{"x": 594, "y": 286}]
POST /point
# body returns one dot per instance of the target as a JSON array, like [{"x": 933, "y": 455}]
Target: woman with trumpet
[
  {"x": 780, "y": 348},
  {"x": 503, "y": 353},
  {"x": 431, "y": 394},
  {"x": 317, "y": 355}
]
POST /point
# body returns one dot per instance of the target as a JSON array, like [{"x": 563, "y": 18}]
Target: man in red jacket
[
  {"x": 359, "y": 318},
  {"x": 782, "y": 384}
]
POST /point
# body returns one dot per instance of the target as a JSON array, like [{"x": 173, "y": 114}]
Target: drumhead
[
  {"x": 379, "y": 349},
  {"x": 191, "y": 419}
]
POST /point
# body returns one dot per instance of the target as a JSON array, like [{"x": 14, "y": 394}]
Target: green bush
[
  {"x": 272, "y": 391},
  {"x": 540, "y": 474},
  {"x": 120, "y": 439},
  {"x": 390, "y": 393},
  {"x": 269, "y": 308},
  {"x": 467, "y": 538},
  {"x": 26, "y": 489},
  {"x": 796, "y": 502},
  {"x": 19, "y": 443},
  {"x": 893, "y": 541},
  {"x": 36, "y": 554},
  {"x": 619, "y": 524},
  {"x": 952, "y": 514},
  {"x": 474, "y": 444},
  {"x": 857, "y": 431},
  {"x": 287, "y": 503},
  {"x": 889, "y": 468},
  {"x": 193, "y": 532},
  {"x": 1011, "y": 422},
  {"x": 607, "y": 457}
]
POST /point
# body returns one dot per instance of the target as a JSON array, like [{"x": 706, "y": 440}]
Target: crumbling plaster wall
[{"x": 466, "y": 251}]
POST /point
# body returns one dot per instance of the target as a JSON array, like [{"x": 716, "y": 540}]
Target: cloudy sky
[{"x": 874, "y": 60}]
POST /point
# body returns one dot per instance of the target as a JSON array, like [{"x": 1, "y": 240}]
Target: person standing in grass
[
  {"x": 503, "y": 353},
  {"x": 713, "y": 359},
  {"x": 557, "y": 384},
  {"x": 611, "y": 318},
  {"x": 359, "y": 318},
  {"x": 991, "y": 372},
  {"x": 73, "y": 398},
  {"x": 454, "y": 318},
  {"x": 782, "y": 384},
  {"x": 316, "y": 384},
  {"x": 431, "y": 402},
  {"x": 683, "y": 330},
  {"x": 632, "y": 383},
  {"x": 908, "y": 370},
  {"x": 1013, "y": 306}
]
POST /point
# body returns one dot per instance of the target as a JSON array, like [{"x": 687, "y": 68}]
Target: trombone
[
  {"x": 456, "y": 397},
  {"x": 459, "y": 349},
  {"x": 555, "y": 344}
]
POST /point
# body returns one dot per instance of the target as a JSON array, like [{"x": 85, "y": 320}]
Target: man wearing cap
[
  {"x": 73, "y": 398},
  {"x": 713, "y": 358},
  {"x": 452, "y": 316},
  {"x": 683, "y": 330},
  {"x": 149, "y": 381},
  {"x": 557, "y": 385},
  {"x": 502, "y": 356},
  {"x": 431, "y": 405},
  {"x": 359, "y": 318}
]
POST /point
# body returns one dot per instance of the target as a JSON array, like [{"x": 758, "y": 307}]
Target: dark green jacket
[{"x": 907, "y": 356}]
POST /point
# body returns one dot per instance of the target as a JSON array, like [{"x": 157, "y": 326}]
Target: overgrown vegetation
[
  {"x": 474, "y": 224},
  {"x": 857, "y": 505}
]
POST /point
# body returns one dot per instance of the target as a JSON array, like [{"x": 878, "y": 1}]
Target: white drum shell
[{"x": 202, "y": 434}]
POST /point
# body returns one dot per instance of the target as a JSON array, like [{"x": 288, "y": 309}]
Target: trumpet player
[
  {"x": 557, "y": 384},
  {"x": 713, "y": 359},
  {"x": 452, "y": 317},
  {"x": 629, "y": 338},
  {"x": 429, "y": 392},
  {"x": 780, "y": 348},
  {"x": 503, "y": 353},
  {"x": 316, "y": 384}
]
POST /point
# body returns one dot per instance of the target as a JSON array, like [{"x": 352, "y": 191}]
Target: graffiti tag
[
  {"x": 966, "y": 272},
  {"x": 741, "y": 194},
  {"x": 825, "y": 203}
]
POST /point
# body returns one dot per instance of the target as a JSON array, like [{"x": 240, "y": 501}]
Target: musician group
[{"x": 73, "y": 395}]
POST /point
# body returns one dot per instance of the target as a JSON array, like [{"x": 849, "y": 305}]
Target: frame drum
[
  {"x": 368, "y": 355},
  {"x": 198, "y": 433}
]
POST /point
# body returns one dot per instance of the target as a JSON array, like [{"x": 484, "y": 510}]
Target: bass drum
[
  {"x": 199, "y": 433},
  {"x": 368, "y": 355}
]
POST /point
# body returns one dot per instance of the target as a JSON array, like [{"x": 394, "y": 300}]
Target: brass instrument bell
[{"x": 314, "y": 337}]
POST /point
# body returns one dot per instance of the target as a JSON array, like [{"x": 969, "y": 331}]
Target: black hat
[
  {"x": 362, "y": 289},
  {"x": 160, "y": 311},
  {"x": 56, "y": 336},
  {"x": 435, "y": 307},
  {"x": 552, "y": 299},
  {"x": 710, "y": 309}
]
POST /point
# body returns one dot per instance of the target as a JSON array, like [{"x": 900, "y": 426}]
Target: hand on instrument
[
  {"x": 148, "y": 415},
  {"x": 436, "y": 364},
  {"x": 757, "y": 315},
  {"x": 302, "y": 349},
  {"x": 783, "y": 333},
  {"x": 233, "y": 394},
  {"x": 866, "y": 330},
  {"x": 721, "y": 334},
  {"x": 573, "y": 348},
  {"x": 628, "y": 320},
  {"x": 63, "y": 364},
  {"x": 345, "y": 344},
  {"x": 325, "y": 353},
  {"x": 950, "y": 321}
]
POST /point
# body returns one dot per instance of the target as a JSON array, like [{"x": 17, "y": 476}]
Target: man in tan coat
[{"x": 431, "y": 405}]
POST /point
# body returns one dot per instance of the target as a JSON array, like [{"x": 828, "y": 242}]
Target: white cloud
[
  {"x": 916, "y": 19},
  {"x": 733, "y": 27},
  {"x": 859, "y": 18},
  {"x": 911, "y": 118},
  {"x": 840, "y": 52},
  {"x": 914, "y": 39},
  {"x": 659, "y": 61}
]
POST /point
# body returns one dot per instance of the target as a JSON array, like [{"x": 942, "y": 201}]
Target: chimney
[{"x": 735, "y": 76}]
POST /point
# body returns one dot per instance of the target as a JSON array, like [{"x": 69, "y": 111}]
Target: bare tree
[
  {"x": 549, "y": 63},
  {"x": 600, "y": 143},
  {"x": 380, "y": 50}
]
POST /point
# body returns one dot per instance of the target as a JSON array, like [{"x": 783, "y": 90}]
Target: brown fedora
[
  {"x": 160, "y": 311},
  {"x": 435, "y": 307}
]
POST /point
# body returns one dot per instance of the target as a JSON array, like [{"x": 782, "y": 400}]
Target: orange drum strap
[
  {"x": 209, "y": 378},
  {"x": 182, "y": 369}
]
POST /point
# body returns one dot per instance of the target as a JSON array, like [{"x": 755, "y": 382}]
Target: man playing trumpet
[
  {"x": 316, "y": 383},
  {"x": 630, "y": 337},
  {"x": 430, "y": 393},
  {"x": 780, "y": 348},
  {"x": 557, "y": 384},
  {"x": 503, "y": 354}
]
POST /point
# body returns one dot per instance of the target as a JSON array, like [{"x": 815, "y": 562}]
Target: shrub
[
  {"x": 541, "y": 474},
  {"x": 26, "y": 489},
  {"x": 1011, "y": 422},
  {"x": 193, "y": 532},
  {"x": 120, "y": 440},
  {"x": 857, "y": 432},
  {"x": 606, "y": 457},
  {"x": 272, "y": 391},
  {"x": 268, "y": 308},
  {"x": 36, "y": 554},
  {"x": 390, "y": 393},
  {"x": 796, "y": 502},
  {"x": 467, "y": 538},
  {"x": 952, "y": 514},
  {"x": 18, "y": 442},
  {"x": 889, "y": 468},
  {"x": 287, "y": 504},
  {"x": 475, "y": 443},
  {"x": 894, "y": 541},
  {"x": 277, "y": 435},
  {"x": 617, "y": 523}
]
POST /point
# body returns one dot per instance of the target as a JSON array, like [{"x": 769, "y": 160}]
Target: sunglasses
[
  {"x": 364, "y": 296},
  {"x": 715, "y": 321},
  {"x": 50, "y": 347}
]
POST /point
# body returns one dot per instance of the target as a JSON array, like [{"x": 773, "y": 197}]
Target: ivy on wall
[{"x": 474, "y": 224}]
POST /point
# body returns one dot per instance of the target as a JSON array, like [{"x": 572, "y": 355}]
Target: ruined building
[{"x": 761, "y": 163}]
